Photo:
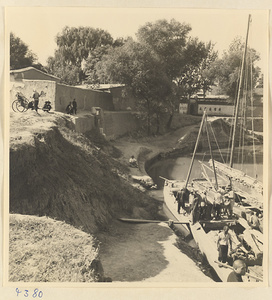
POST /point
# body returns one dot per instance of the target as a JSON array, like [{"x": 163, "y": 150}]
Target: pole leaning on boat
[{"x": 196, "y": 145}]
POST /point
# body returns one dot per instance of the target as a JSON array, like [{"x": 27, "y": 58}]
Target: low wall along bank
[
  {"x": 85, "y": 98},
  {"x": 112, "y": 124},
  {"x": 118, "y": 123}
]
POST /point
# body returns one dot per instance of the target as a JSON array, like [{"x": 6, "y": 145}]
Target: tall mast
[
  {"x": 211, "y": 153},
  {"x": 196, "y": 144},
  {"x": 238, "y": 97}
]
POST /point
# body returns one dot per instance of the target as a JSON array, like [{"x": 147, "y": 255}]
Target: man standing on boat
[
  {"x": 229, "y": 200},
  {"x": 180, "y": 198},
  {"x": 203, "y": 206},
  {"x": 224, "y": 244},
  {"x": 217, "y": 204},
  {"x": 195, "y": 212},
  {"x": 239, "y": 269}
]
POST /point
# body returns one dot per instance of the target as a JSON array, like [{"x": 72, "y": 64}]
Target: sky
[{"x": 38, "y": 26}]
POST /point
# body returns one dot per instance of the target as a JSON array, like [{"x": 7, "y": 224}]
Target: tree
[
  {"x": 20, "y": 55},
  {"x": 168, "y": 41},
  {"x": 193, "y": 75},
  {"x": 228, "y": 69},
  {"x": 206, "y": 69},
  {"x": 75, "y": 45},
  {"x": 68, "y": 73},
  {"x": 185, "y": 60},
  {"x": 140, "y": 68},
  {"x": 91, "y": 65}
]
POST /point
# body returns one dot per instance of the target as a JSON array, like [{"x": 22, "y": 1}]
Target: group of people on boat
[
  {"x": 196, "y": 204},
  {"x": 224, "y": 202}
]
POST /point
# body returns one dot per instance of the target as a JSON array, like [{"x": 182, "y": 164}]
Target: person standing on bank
[
  {"x": 36, "y": 97},
  {"x": 74, "y": 106},
  {"x": 224, "y": 244},
  {"x": 239, "y": 269}
]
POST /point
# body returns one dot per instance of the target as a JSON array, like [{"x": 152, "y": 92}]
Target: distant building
[
  {"x": 215, "y": 105},
  {"x": 31, "y": 73},
  {"x": 215, "y": 108},
  {"x": 183, "y": 107}
]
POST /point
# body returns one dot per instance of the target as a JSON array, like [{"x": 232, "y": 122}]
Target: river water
[{"x": 178, "y": 169}]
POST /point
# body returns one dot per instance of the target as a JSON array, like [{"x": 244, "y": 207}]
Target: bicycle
[{"x": 21, "y": 104}]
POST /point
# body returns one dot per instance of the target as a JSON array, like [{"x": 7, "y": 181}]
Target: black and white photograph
[{"x": 136, "y": 147}]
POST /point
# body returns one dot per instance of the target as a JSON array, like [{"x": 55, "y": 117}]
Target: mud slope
[
  {"x": 219, "y": 133},
  {"x": 57, "y": 173}
]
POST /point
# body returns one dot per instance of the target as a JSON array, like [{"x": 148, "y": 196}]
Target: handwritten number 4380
[{"x": 27, "y": 293}]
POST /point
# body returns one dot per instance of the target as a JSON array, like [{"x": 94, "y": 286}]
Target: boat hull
[{"x": 170, "y": 207}]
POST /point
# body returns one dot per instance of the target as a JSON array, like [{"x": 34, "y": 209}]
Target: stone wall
[
  {"x": 86, "y": 98},
  {"x": 84, "y": 123},
  {"x": 119, "y": 123}
]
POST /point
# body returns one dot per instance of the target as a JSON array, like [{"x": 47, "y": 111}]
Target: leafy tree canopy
[
  {"x": 228, "y": 69},
  {"x": 20, "y": 55},
  {"x": 75, "y": 44},
  {"x": 168, "y": 40},
  {"x": 197, "y": 73},
  {"x": 68, "y": 73}
]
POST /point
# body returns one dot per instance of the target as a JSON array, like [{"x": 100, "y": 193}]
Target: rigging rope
[
  {"x": 243, "y": 123},
  {"x": 232, "y": 120},
  {"x": 217, "y": 143},
  {"x": 252, "y": 116}
]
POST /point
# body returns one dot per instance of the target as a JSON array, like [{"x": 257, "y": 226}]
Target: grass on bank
[{"x": 45, "y": 250}]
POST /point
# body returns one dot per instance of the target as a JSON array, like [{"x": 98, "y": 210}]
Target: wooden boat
[
  {"x": 204, "y": 229},
  {"x": 205, "y": 232},
  {"x": 247, "y": 242}
]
